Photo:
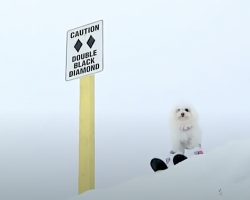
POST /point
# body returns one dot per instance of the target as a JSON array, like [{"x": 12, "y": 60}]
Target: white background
[{"x": 156, "y": 54}]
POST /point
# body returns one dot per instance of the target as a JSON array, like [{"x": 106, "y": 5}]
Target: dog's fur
[{"x": 185, "y": 132}]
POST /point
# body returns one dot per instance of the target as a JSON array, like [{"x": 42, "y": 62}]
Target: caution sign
[{"x": 84, "y": 50}]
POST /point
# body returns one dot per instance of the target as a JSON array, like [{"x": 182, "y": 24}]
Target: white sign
[{"x": 84, "y": 50}]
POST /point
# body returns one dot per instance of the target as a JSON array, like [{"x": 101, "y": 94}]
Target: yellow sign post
[
  {"x": 87, "y": 134},
  {"x": 84, "y": 59}
]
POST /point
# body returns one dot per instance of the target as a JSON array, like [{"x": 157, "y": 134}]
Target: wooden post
[{"x": 87, "y": 134}]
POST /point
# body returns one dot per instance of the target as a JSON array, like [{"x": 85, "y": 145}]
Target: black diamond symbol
[
  {"x": 78, "y": 45},
  {"x": 90, "y": 41}
]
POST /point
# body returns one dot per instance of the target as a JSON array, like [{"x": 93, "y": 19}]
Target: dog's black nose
[{"x": 182, "y": 114}]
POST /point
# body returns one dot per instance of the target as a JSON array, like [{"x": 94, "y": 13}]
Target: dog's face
[{"x": 184, "y": 113}]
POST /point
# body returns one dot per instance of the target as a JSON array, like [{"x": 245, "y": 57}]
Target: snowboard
[{"x": 158, "y": 164}]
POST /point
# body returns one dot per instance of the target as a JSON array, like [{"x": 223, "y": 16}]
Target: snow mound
[{"x": 221, "y": 174}]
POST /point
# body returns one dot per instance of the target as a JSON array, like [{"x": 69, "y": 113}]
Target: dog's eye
[
  {"x": 178, "y": 110},
  {"x": 186, "y": 109}
]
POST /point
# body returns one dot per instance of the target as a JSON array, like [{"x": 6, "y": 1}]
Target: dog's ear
[
  {"x": 172, "y": 114},
  {"x": 193, "y": 112}
]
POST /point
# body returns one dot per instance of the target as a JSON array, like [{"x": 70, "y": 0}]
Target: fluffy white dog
[
  {"x": 186, "y": 138},
  {"x": 185, "y": 132}
]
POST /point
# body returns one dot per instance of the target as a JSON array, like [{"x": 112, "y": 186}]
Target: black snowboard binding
[
  {"x": 157, "y": 164},
  {"x": 178, "y": 158}
]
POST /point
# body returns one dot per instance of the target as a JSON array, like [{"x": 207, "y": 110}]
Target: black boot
[
  {"x": 178, "y": 158},
  {"x": 157, "y": 164}
]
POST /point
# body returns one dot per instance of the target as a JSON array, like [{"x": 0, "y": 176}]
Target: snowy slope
[{"x": 221, "y": 174}]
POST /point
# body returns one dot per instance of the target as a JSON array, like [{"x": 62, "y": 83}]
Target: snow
[{"x": 223, "y": 173}]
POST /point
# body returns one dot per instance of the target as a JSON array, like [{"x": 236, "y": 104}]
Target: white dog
[{"x": 185, "y": 132}]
